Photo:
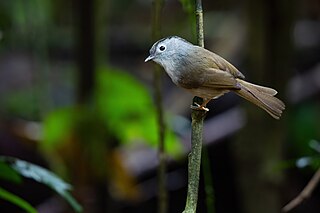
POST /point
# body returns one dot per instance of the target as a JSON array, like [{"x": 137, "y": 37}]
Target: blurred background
[{"x": 77, "y": 98}]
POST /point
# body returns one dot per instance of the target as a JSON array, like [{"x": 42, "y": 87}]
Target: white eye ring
[{"x": 162, "y": 48}]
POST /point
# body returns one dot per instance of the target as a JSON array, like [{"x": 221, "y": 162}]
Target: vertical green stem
[
  {"x": 196, "y": 131},
  {"x": 194, "y": 161},
  {"x": 156, "y": 32},
  {"x": 199, "y": 23}
]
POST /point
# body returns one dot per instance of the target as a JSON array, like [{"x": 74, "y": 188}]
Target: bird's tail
[{"x": 262, "y": 97}]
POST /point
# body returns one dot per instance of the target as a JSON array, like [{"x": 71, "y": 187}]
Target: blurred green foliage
[
  {"x": 127, "y": 110},
  {"x": 14, "y": 167},
  {"x": 189, "y": 7},
  {"x": 304, "y": 127},
  {"x": 21, "y": 103},
  {"x": 9, "y": 174},
  {"x": 8, "y": 196},
  {"x": 121, "y": 105},
  {"x": 26, "y": 22}
]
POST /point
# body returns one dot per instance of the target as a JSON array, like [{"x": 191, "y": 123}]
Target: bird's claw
[{"x": 197, "y": 106}]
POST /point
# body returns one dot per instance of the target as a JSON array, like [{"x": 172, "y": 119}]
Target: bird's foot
[{"x": 197, "y": 106}]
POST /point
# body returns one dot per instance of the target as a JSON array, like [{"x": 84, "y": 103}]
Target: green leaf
[
  {"x": 43, "y": 176},
  {"x": 125, "y": 107},
  {"x": 7, "y": 173},
  {"x": 4, "y": 194},
  {"x": 57, "y": 125},
  {"x": 122, "y": 107}
]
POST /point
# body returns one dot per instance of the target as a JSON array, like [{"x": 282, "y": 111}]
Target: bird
[{"x": 209, "y": 76}]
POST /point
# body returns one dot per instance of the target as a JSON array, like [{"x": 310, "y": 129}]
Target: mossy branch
[
  {"x": 194, "y": 161},
  {"x": 197, "y": 117},
  {"x": 199, "y": 23}
]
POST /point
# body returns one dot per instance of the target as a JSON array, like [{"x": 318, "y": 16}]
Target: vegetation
[{"x": 77, "y": 103}]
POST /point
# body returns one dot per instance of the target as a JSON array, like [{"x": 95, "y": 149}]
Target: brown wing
[
  {"x": 214, "y": 72},
  {"x": 218, "y": 79},
  {"x": 212, "y": 60},
  {"x": 193, "y": 77}
]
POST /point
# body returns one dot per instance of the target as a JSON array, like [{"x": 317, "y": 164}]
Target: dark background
[{"x": 76, "y": 97}]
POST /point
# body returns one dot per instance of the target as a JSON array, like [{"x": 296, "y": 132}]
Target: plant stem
[
  {"x": 199, "y": 23},
  {"x": 156, "y": 32},
  {"x": 304, "y": 194},
  {"x": 194, "y": 161},
  {"x": 196, "y": 131}
]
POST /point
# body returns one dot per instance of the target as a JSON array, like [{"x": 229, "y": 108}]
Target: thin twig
[
  {"x": 199, "y": 23},
  {"x": 156, "y": 33},
  {"x": 196, "y": 132},
  {"x": 194, "y": 161},
  {"x": 304, "y": 194}
]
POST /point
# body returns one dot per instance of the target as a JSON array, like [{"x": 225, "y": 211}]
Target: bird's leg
[{"x": 197, "y": 106}]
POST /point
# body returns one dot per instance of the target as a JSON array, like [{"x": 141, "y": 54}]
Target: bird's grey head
[{"x": 166, "y": 50}]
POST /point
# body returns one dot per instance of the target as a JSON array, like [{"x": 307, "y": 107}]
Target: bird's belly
[{"x": 208, "y": 93}]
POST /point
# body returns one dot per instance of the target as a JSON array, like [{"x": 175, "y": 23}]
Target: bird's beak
[{"x": 150, "y": 57}]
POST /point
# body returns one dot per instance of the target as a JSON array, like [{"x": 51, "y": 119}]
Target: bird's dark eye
[{"x": 162, "y": 48}]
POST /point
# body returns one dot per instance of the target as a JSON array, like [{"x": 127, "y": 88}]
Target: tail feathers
[
  {"x": 262, "y": 97},
  {"x": 262, "y": 89}
]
